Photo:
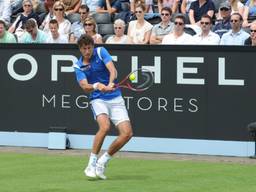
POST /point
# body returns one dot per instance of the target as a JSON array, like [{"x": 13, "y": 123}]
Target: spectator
[
  {"x": 33, "y": 34},
  {"x": 71, "y": 6},
  {"x": 235, "y": 36},
  {"x": 109, "y": 6},
  {"x": 163, "y": 28},
  {"x": 172, "y": 4},
  {"x": 90, "y": 29},
  {"x": 199, "y": 8},
  {"x": 55, "y": 36},
  {"x": 251, "y": 41},
  {"x": 206, "y": 37},
  {"x": 223, "y": 24},
  {"x": 249, "y": 11},
  {"x": 92, "y": 4},
  {"x": 77, "y": 28},
  {"x": 5, "y": 11},
  {"x": 119, "y": 37},
  {"x": 185, "y": 5},
  {"x": 5, "y": 36},
  {"x": 48, "y": 15},
  {"x": 139, "y": 30},
  {"x": 18, "y": 26},
  {"x": 178, "y": 36},
  {"x": 147, "y": 3},
  {"x": 236, "y": 6},
  {"x": 64, "y": 24}
]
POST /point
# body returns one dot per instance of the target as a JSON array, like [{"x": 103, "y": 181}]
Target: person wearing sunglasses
[
  {"x": 18, "y": 26},
  {"x": 178, "y": 35},
  {"x": 139, "y": 30},
  {"x": 119, "y": 37},
  {"x": 90, "y": 27},
  {"x": 163, "y": 28},
  {"x": 251, "y": 41},
  {"x": 59, "y": 15},
  {"x": 222, "y": 24},
  {"x": 206, "y": 37},
  {"x": 235, "y": 36},
  {"x": 77, "y": 28}
]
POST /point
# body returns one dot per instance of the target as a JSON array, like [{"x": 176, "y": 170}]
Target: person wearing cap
[
  {"x": 235, "y": 36},
  {"x": 223, "y": 25},
  {"x": 251, "y": 41},
  {"x": 5, "y": 36},
  {"x": 5, "y": 11}
]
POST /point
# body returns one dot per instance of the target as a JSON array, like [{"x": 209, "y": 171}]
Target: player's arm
[
  {"x": 112, "y": 73},
  {"x": 86, "y": 86}
]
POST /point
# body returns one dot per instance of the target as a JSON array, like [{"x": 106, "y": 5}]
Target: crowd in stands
[{"x": 167, "y": 22}]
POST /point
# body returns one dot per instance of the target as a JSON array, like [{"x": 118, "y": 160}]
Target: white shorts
[{"x": 114, "y": 108}]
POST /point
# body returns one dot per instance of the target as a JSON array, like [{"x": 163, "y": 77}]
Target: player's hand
[{"x": 104, "y": 88}]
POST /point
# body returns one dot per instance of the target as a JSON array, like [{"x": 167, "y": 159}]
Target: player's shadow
[{"x": 128, "y": 177}]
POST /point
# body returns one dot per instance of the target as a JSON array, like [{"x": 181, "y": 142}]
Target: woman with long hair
[{"x": 90, "y": 29}]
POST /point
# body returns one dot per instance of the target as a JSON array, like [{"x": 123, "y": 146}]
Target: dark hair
[
  {"x": 168, "y": 9},
  {"x": 54, "y": 21},
  {"x": 207, "y": 16},
  {"x": 240, "y": 16},
  {"x": 30, "y": 23},
  {"x": 84, "y": 7},
  {"x": 180, "y": 16},
  {"x": 85, "y": 40},
  {"x": 4, "y": 24}
]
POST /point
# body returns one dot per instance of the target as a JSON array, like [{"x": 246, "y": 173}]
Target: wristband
[{"x": 95, "y": 86}]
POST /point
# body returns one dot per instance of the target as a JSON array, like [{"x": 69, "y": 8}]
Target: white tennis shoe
[
  {"x": 90, "y": 171},
  {"x": 100, "y": 171}
]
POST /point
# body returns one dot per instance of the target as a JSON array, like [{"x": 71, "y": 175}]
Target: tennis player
[{"x": 96, "y": 74}]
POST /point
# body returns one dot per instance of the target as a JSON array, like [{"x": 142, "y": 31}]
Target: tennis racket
[{"x": 138, "y": 80}]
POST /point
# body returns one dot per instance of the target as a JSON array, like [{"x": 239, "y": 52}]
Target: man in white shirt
[
  {"x": 5, "y": 11},
  {"x": 235, "y": 36},
  {"x": 178, "y": 36},
  {"x": 206, "y": 37},
  {"x": 55, "y": 36}
]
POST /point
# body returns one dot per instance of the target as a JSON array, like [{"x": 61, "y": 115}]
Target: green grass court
[{"x": 62, "y": 173}]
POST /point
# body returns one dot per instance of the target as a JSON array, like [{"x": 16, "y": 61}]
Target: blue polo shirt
[{"x": 96, "y": 71}]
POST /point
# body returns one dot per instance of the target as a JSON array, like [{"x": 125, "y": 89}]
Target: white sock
[
  {"x": 93, "y": 160},
  {"x": 103, "y": 160}
]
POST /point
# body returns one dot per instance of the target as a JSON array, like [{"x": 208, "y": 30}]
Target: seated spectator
[
  {"x": 90, "y": 29},
  {"x": 199, "y": 8},
  {"x": 109, "y": 6},
  {"x": 77, "y": 28},
  {"x": 55, "y": 36},
  {"x": 206, "y": 37},
  {"x": 33, "y": 34},
  {"x": 251, "y": 41},
  {"x": 48, "y": 15},
  {"x": 185, "y": 5},
  {"x": 235, "y": 36},
  {"x": 249, "y": 11},
  {"x": 59, "y": 15},
  {"x": 119, "y": 37},
  {"x": 223, "y": 24},
  {"x": 5, "y": 11},
  {"x": 236, "y": 6},
  {"x": 18, "y": 26},
  {"x": 17, "y": 7},
  {"x": 178, "y": 36},
  {"x": 163, "y": 28},
  {"x": 139, "y": 30},
  {"x": 5, "y": 36},
  {"x": 92, "y": 4},
  {"x": 172, "y": 4},
  {"x": 71, "y": 6}
]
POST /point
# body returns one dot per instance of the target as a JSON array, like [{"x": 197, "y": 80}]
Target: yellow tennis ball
[{"x": 132, "y": 77}]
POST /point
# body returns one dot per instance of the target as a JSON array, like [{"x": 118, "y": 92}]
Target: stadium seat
[
  {"x": 102, "y": 18},
  {"x": 106, "y": 29}
]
